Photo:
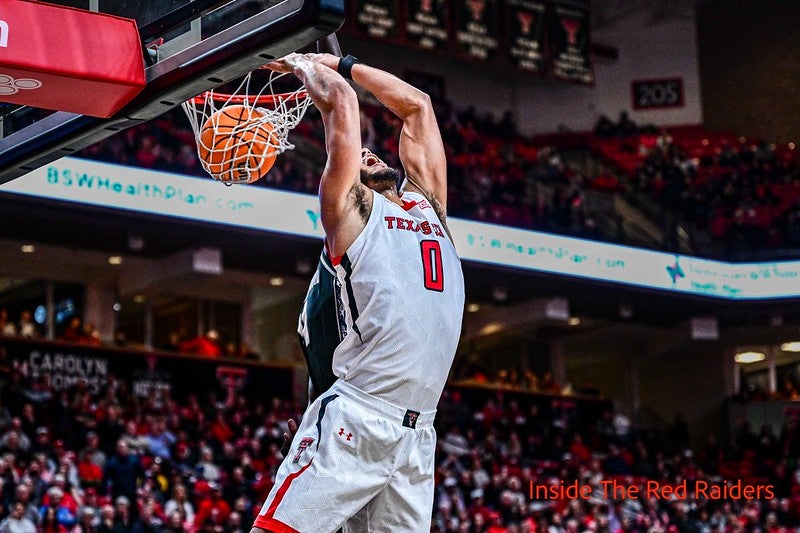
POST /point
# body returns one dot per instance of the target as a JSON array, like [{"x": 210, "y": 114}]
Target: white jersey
[{"x": 402, "y": 292}]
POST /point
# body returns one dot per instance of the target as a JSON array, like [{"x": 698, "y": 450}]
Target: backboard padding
[{"x": 224, "y": 53}]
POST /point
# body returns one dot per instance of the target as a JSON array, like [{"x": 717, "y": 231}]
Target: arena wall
[
  {"x": 748, "y": 59},
  {"x": 690, "y": 382},
  {"x": 666, "y": 50}
]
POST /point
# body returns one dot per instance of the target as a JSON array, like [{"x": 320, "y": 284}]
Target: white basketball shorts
[{"x": 356, "y": 463}]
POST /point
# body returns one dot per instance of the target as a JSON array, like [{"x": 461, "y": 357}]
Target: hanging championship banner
[
  {"x": 426, "y": 24},
  {"x": 377, "y": 19},
  {"x": 570, "y": 56},
  {"x": 476, "y": 28},
  {"x": 524, "y": 23}
]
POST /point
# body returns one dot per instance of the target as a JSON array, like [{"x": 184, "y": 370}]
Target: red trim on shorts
[
  {"x": 270, "y": 524},
  {"x": 268, "y": 519}
]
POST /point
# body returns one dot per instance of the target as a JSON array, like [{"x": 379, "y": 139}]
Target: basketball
[{"x": 236, "y": 145}]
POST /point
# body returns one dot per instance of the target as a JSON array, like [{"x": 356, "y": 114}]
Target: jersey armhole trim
[{"x": 334, "y": 260}]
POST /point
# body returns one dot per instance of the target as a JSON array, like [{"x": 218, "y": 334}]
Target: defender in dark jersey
[{"x": 321, "y": 327}]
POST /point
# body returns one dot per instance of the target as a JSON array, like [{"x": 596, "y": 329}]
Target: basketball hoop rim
[
  {"x": 279, "y": 111},
  {"x": 263, "y": 99}
]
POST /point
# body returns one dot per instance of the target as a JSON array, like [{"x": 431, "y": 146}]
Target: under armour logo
[
  {"x": 341, "y": 434},
  {"x": 303, "y": 446},
  {"x": 9, "y": 85}
]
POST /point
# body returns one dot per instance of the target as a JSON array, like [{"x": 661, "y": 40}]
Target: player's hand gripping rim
[{"x": 289, "y": 62}]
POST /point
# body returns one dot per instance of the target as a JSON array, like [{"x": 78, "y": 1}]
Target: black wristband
[{"x": 345, "y": 66}]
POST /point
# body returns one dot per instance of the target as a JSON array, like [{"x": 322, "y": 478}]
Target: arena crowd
[
  {"x": 75, "y": 461},
  {"x": 743, "y": 193}
]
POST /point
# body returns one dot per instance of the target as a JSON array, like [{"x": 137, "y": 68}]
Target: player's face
[
  {"x": 370, "y": 162},
  {"x": 376, "y": 174}
]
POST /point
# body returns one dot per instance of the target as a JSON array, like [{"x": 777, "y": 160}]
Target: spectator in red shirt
[
  {"x": 91, "y": 461},
  {"x": 220, "y": 429},
  {"x": 74, "y": 331},
  {"x": 579, "y": 450},
  {"x": 213, "y": 508},
  {"x": 478, "y": 506},
  {"x": 91, "y": 335},
  {"x": 207, "y": 345}
]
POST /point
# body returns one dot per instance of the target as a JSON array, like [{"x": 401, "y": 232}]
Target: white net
[{"x": 240, "y": 134}]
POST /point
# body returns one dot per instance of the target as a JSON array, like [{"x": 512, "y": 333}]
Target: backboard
[{"x": 189, "y": 46}]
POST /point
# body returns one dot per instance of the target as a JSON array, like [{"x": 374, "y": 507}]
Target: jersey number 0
[{"x": 432, "y": 265}]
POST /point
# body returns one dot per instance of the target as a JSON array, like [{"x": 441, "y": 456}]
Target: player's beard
[{"x": 382, "y": 180}]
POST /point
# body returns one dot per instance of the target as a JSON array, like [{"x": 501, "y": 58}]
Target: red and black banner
[
  {"x": 477, "y": 28},
  {"x": 535, "y": 36},
  {"x": 570, "y": 46},
  {"x": 426, "y": 24},
  {"x": 525, "y": 34},
  {"x": 377, "y": 19}
]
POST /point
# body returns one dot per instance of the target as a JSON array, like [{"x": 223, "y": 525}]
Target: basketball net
[{"x": 265, "y": 110}]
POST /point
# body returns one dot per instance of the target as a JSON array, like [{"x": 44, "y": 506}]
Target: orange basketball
[{"x": 236, "y": 146}]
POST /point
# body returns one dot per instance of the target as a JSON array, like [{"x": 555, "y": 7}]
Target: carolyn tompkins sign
[{"x": 67, "y": 369}]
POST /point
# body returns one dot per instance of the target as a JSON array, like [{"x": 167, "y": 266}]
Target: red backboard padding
[{"x": 56, "y": 57}]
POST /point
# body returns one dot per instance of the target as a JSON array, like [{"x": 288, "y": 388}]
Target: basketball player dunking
[{"x": 363, "y": 456}]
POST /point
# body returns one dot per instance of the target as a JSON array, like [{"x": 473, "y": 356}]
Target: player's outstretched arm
[
  {"x": 340, "y": 188},
  {"x": 421, "y": 148}
]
